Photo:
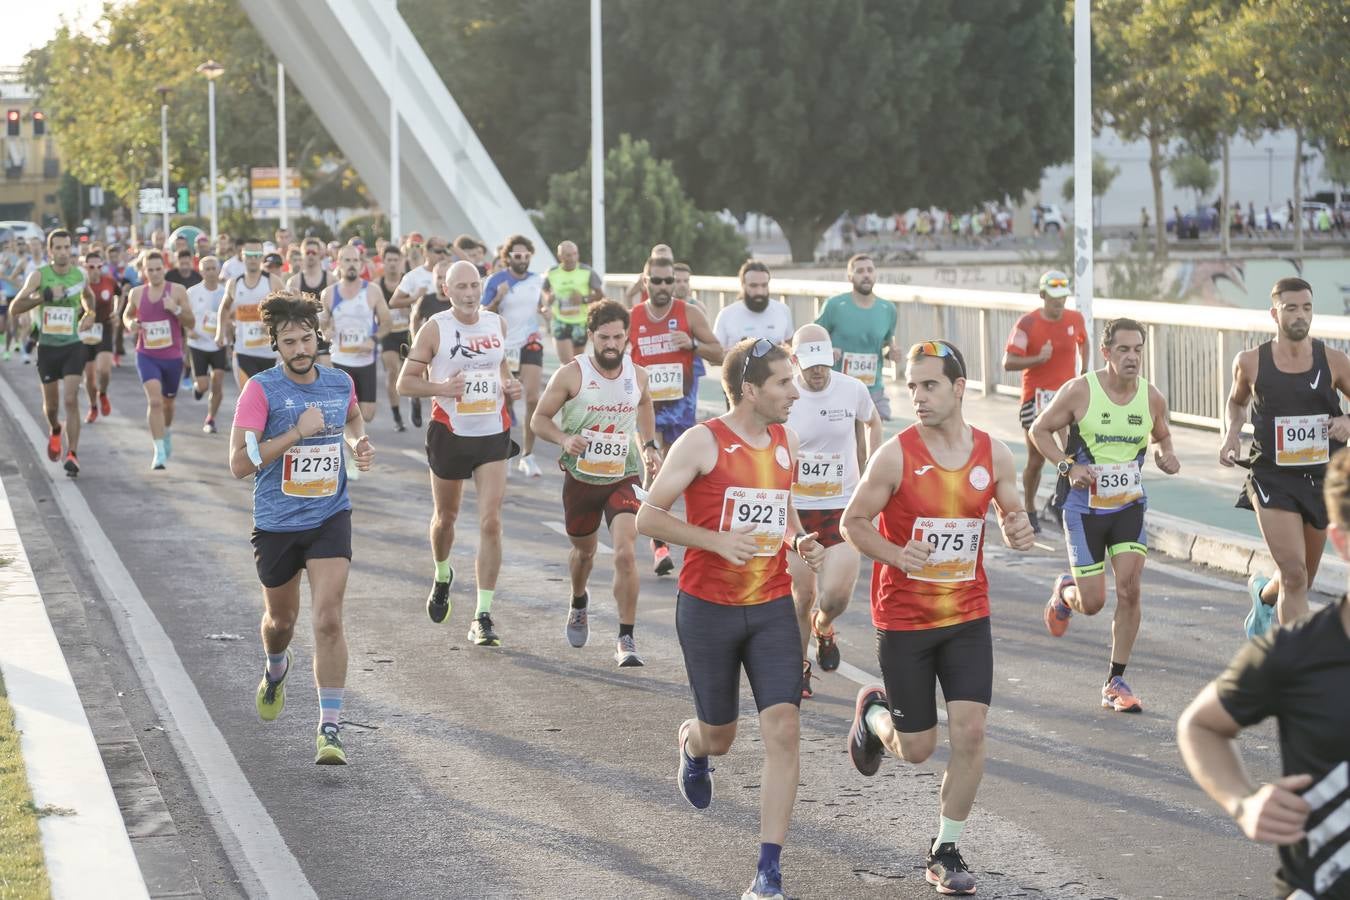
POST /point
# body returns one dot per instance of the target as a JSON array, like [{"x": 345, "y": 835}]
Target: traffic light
[
  {"x": 12, "y": 120},
  {"x": 39, "y": 123},
  {"x": 183, "y": 199}
]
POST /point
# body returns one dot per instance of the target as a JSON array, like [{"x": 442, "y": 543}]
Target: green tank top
[
  {"x": 1109, "y": 436},
  {"x": 606, "y": 411},
  {"x": 58, "y": 319},
  {"x": 569, "y": 309}
]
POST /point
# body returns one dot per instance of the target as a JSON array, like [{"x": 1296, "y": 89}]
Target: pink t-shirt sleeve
[
  {"x": 351, "y": 396},
  {"x": 251, "y": 410}
]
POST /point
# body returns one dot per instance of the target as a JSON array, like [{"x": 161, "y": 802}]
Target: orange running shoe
[
  {"x": 104, "y": 404},
  {"x": 93, "y": 414},
  {"x": 1057, "y": 612},
  {"x": 1116, "y": 695},
  {"x": 54, "y": 446}
]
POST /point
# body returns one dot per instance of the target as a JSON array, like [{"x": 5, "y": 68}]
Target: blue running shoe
[
  {"x": 695, "y": 775},
  {"x": 1260, "y": 616},
  {"x": 168, "y": 444},
  {"x": 767, "y": 886}
]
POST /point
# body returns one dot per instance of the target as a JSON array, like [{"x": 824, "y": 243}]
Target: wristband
[
  {"x": 251, "y": 447},
  {"x": 650, "y": 445},
  {"x": 797, "y": 539}
]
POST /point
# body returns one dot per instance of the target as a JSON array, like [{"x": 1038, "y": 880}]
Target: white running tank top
[
  {"x": 477, "y": 350},
  {"x": 353, "y": 324},
  {"x": 250, "y": 335}
]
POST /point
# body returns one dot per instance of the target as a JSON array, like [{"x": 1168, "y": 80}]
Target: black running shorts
[
  {"x": 960, "y": 657},
  {"x": 206, "y": 360},
  {"x": 454, "y": 456},
  {"x": 393, "y": 341},
  {"x": 253, "y": 365},
  {"x": 280, "y": 555},
  {"x": 1291, "y": 490},
  {"x": 57, "y": 361},
  {"x": 364, "y": 379}
]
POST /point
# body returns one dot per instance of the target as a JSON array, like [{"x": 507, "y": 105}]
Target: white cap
[{"x": 815, "y": 353}]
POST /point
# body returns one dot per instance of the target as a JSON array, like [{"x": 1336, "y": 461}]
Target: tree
[
  {"x": 1192, "y": 172},
  {"x": 1103, "y": 173},
  {"x": 644, "y": 204}
]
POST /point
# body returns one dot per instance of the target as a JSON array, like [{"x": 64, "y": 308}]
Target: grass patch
[{"x": 23, "y": 874}]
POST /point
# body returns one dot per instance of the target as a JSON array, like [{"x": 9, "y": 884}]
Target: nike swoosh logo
[
  {"x": 732, "y": 449},
  {"x": 922, "y": 469},
  {"x": 1313, "y": 384},
  {"x": 1265, "y": 498}
]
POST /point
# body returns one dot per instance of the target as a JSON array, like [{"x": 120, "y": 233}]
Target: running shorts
[
  {"x": 280, "y": 555},
  {"x": 1091, "y": 538},
  {"x": 364, "y": 379},
  {"x": 532, "y": 354},
  {"x": 105, "y": 344},
  {"x": 203, "y": 360},
  {"x": 253, "y": 365},
  {"x": 168, "y": 372},
  {"x": 585, "y": 503},
  {"x": 56, "y": 361},
  {"x": 960, "y": 657},
  {"x": 1298, "y": 492},
  {"x": 1026, "y": 414},
  {"x": 825, "y": 523},
  {"x": 882, "y": 401},
  {"x": 393, "y": 341},
  {"x": 454, "y": 456},
  {"x": 576, "y": 333}
]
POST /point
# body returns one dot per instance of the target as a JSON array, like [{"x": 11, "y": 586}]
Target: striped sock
[
  {"x": 330, "y": 706},
  {"x": 276, "y": 666}
]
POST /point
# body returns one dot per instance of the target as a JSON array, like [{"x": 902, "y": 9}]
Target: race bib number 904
[
  {"x": 956, "y": 548},
  {"x": 1302, "y": 440},
  {"x": 764, "y": 511}
]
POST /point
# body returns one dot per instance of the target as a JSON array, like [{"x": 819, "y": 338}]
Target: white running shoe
[{"x": 528, "y": 467}]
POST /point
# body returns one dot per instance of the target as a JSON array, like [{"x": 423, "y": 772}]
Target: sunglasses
[
  {"x": 1057, "y": 282},
  {"x": 652, "y": 280},
  {"x": 439, "y": 251},
  {"x": 761, "y": 348},
  {"x": 937, "y": 350},
  {"x": 253, "y": 254}
]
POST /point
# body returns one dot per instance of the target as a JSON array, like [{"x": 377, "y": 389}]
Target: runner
[
  {"x": 59, "y": 296},
  {"x": 838, "y": 428},
  {"x": 515, "y": 294},
  {"x": 240, "y": 318},
  {"x": 862, "y": 331},
  {"x": 185, "y": 274},
  {"x": 462, "y": 351},
  {"x": 1296, "y": 674},
  {"x": 667, "y": 337},
  {"x": 734, "y": 608},
  {"x": 931, "y": 487},
  {"x": 754, "y": 314},
  {"x": 210, "y": 361},
  {"x": 420, "y": 281},
  {"x": 608, "y": 437},
  {"x": 157, "y": 314},
  {"x": 636, "y": 292},
  {"x": 98, "y": 337},
  {"x": 1042, "y": 346},
  {"x": 288, "y": 430},
  {"x": 1113, "y": 414},
  {"x": 231, "y": 266},
  {"x": 569, "y": 287},
  {"x": 1293, "y": 384},
  {"x": 311, "y": 278},
  {"x": 400, "y": 335}
]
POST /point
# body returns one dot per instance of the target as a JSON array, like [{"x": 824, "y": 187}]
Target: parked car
[
  {"x": 1311, "y": 209},
  {"x": 24, "y": 230},
  {"x": 1051, "y": 218},
  {"x": 1204, "y": 218}
]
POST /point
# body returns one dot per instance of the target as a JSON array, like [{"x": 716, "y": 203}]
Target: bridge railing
[{"x": 1189, "y": 349}]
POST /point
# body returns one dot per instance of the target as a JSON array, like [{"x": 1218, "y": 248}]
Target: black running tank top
[{"x": 1284, "y": 396}]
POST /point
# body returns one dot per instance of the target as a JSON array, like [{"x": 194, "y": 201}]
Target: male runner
[
  {"x": 231, "y": 266},
  {"x": 183, "y": 273},
  {"x": 311, "y": 278},
  {"x": 515, "y": 293},
  {"x": 458, "y": 359},
  {"x": 356, "y": 316},
  {"x": 1293, "y": 384},
  {"x": 288, "y": 430},
  {"x": 862, "y": 330},
  {"x": 734, "y": 609},
  {"x": 240, "y": 317},
  {"x": 210, "y": 361},
  {"x": 1296, "y": 674},
  {"x": 58, "y": 293},
  {"x": 98, "y": 338},
  {"x": 929, "y": 490},
  {"x": 1112, "y": 414},
  {"x": 666, "y": 338},
  {"x": 569, "y": 287},
  {"x": 1042, "y": 346},
  {"x": 608, "y": 437},
  {"x": 838, "y": 428},
  {"x": 157, "y": 315},
  {"x": 400, "y": 333},
  {"x": 421, "y": 259},
  {"x": 754, "y": 314}
]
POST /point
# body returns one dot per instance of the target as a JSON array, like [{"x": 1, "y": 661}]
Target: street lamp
[
  {"x": 164, "y": 151},
  {"x": 212, "y": 70}
]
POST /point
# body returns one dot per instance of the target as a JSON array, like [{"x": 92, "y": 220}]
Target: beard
[
  {"x": 349, "y": 274},
  {"x": 608, "y": 360},
  {"x": 863, "y": 289},
  {"x": 756, "y": 304},
  {"x": 519, "y": 268},
  {"x": 1296, "y": 331},
  {"x": 300, "y": 364},
  {"x": 661, "y": 297}
]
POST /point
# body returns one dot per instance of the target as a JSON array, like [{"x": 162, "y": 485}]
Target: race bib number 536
[{"x": 765, "y": 511}]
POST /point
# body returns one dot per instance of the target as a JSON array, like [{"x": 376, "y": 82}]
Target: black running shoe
[
  {"x": 827, "y": 649},
  {"x": 864, "y": 747},
  {"x": 416, "y": 413},
  {"x": 948, "y": 872},
  {"x": 72, "y": 465},
  {"x": 1035, "y": 521},
  {"x": 807, "y": 691},
  {"x": 438, "y": 601},
  {"x": 398, "y": 421},
  {"x": 482, "y": 633}
]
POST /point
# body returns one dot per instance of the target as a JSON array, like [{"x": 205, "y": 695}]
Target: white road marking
[
  {"x": 248, "y": 834},
  {"x": 560, "y": 528}
]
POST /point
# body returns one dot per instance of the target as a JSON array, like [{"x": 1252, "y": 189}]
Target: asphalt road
[{"x": 540, "y": 770}]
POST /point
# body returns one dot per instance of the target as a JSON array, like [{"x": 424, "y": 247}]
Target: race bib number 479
[{"x": 764, "y": 511}]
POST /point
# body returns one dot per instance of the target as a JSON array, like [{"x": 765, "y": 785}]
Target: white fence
[{"x": 1189, "y": 349}]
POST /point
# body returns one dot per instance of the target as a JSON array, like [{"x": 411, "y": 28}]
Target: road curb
[{"x": 87, "y": 850}]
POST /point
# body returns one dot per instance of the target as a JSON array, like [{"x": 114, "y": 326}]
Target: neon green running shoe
[
  {"x": 328, "y": 745},
  {"x": 271, "y": 697}
]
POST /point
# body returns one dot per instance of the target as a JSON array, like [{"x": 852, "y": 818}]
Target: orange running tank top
[
  {"x": 945, "y": 507},
  {"x": 746, "y": 487}
]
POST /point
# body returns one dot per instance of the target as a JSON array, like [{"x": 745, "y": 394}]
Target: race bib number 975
[
  {"x": 765, "y": 511},
  {"x": 956, "y": 548}
]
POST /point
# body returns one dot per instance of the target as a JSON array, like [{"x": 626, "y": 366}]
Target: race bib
[
  {"x": 765, "y": 511},
  {"x": 570, "y": 305},
  {"x": 1115, "y": 485},
  {"x": 350, "y": 340},
  {"x": 665, "y": 381},
  {"x": 1042, "y": 399},
  {"x": 311, "y": 470},
  {"x": 58, "y": 320},
  {"x": 606, "y": 455},
  {"x": 1302, "y": 440},
  {"x": 820, "y": 476},
  {"x": 157, "y": 335},
  {"x": 210, "y": 320},
  {"x": 253, "y": 336},
  {"x": 862, "y": 366},
  {"x": 513, "y": 358},
  {"x": 93, "y": 334},
  {"x": 956, "y": 549},
  {"x": 400, "y": 318},
  {"x": 480, "y": 392}
]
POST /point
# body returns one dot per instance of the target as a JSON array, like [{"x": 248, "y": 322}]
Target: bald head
[
  {"x": 568, "y": 255},
  {"x": 460, "y": 270},
  {"x": 662, "y": 251},
  {"x": 810, "y": 333}
]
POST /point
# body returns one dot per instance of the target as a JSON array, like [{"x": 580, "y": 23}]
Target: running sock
[
  {"x": 443, "y": 571},
  {"x": 159, "y": 446},
  {"x": 626, "y": 630},
  {"x": 876, "y": 717},
  {"x": 1116, "y": 669},
  {"x": 580, "y": 602},
  {"x": 949, "y": 831},
  {"x": 56, "y": 429},
  {"x": 1270, "y": 587},
  {"x": 484, "y": 601},
  {"x": 330, "y": 706},
  {"x": 768, "y": 857},
  {"x": 276, "y": 665}
]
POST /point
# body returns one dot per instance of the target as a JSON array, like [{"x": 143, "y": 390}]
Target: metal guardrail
[{"x": 1189, "y": 349}]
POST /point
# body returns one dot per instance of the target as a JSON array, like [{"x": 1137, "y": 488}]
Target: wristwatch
[
  {"x": 650, "y": 445},
  {"x": 1063, "y": 466},
  {"x": 797, "y": 539}
]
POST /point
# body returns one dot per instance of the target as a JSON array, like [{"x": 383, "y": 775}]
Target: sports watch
[{"x": 1063, "y": 466}]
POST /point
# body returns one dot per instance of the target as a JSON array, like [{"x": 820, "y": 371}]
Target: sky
[{"x": 39, "y": 22}]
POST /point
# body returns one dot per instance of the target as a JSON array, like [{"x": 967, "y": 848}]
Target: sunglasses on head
[
  {"x": 937, "y": 350},
  {"x": 670, "y": 280},
  {"x": 761, "y": 348},
  {"x": 1057, "y": 282}
]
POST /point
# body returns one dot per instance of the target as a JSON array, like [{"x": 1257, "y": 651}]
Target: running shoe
[
  {"x": 398, "y": 421},
  {"x": 662, "y": 563},
  {"x": 1035, "y": 521},
  {"x": 807, "y": 691},
  {"x": 528, "y": 467},
  {"x": 54, "y": 446},
  {"x": 416, "y": 413},
  {"x": 482, "y": 633},
  {"x": 767, "y": 886},
  {"x": 578, "y": 628},
  {"x": 827, "y": 650},
  {"x": 104, "y": 404},
  {"x": 1116, "y": 695},
  {"x": 864, "y": 747},
  {"x": 92, "y": 415},
  {"x": 271, "y": 699},
  {"x": 209, "y": 426},
  {"x": 1260, "y": 616},
  {"x": 328, "y": 747},
  {"x": 168, "y": 444},
  {"x": 6, "y": 354},
  {"x": 947, "y": 871},
  {"x": 196, "y": 394},
  {"x": 1057, "y": 612},
  {"x": 625, "y": 653},
  {"x": 160, "y": 461},
  {"x": 438, "y": 601},
  {"x": 695, "y": 775},
  {"x": 72, "y": 465}
]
